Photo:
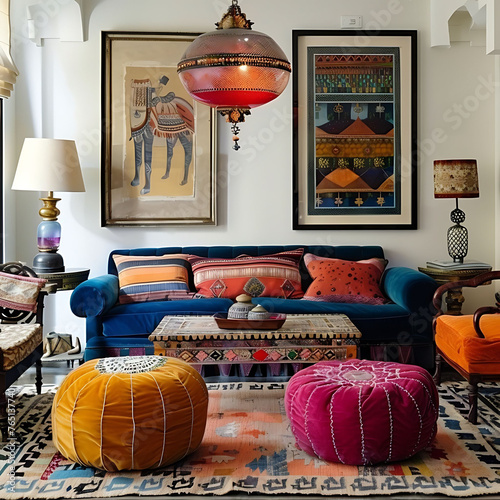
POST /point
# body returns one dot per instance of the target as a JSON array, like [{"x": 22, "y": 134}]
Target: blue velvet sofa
[{"x": 114, "y": 329}]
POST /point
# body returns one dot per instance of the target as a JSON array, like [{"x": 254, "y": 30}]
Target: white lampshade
[{"x": 48, "y": 165}]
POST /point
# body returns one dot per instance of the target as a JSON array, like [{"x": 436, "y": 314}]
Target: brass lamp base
[{"x": 49, "y": 211}]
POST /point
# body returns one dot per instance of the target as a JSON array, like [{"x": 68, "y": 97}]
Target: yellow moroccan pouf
[{"x": 135, "y": 412}]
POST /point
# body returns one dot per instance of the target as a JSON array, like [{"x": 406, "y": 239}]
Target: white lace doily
[{"x": 130, "y": 364}]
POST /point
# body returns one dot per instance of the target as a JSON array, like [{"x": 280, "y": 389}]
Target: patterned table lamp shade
[{"x": 455, "y": 179}]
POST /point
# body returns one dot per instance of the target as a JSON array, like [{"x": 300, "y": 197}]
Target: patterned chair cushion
[
  {"x": 146, "y": 278},
  {"x": 18, "y": 342},
  {"x": 273, "y": 275}
]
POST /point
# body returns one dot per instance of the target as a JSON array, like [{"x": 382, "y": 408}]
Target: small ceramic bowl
[
  {"x": 258, "y": 313},
  {"x": 241, "y": 308}
]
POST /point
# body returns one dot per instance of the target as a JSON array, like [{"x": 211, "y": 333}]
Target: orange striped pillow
[{"x": 147, "y": 278}]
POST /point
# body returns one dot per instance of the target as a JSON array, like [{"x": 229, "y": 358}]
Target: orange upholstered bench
[{"x": 469, "y": 343}]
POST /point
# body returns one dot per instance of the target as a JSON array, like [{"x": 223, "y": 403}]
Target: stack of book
[{"x": 449, "y": 264}]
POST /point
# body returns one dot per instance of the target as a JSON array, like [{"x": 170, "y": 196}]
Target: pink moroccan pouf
[{"x": 362, "y": 412}]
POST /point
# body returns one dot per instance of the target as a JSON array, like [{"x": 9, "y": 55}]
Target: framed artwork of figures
[{"x": 158, "y": 160}]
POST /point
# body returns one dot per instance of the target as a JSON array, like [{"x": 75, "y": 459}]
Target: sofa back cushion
[{"x": 346, "y": 252}]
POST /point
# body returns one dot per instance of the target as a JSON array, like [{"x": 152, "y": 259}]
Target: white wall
[{"x": 58, "y": 95}]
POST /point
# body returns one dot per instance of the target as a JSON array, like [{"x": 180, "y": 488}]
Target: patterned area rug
[{"x": 248, "y": 448}]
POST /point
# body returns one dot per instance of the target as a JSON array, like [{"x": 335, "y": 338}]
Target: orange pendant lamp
[{"x": 234, "y": 68}]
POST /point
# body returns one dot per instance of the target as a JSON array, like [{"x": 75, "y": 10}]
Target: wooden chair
[
  {"x": 21, "y": 339},
  {"x": 469, "y": 343}
]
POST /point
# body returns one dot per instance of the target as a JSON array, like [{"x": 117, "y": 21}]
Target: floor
[{"x": 55, "y": 373}]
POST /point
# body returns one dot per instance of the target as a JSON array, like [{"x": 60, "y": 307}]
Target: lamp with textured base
[
  {"x": 456, "y": 179},
  {"x": 48, "y": 165}
]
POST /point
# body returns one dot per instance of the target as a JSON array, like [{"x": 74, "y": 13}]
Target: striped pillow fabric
[
  {"x": 274, "y": 275},
  {"x": 147, "y": 278}
]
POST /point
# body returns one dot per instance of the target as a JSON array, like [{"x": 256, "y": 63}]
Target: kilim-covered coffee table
[{"x": 301, "y": 339}]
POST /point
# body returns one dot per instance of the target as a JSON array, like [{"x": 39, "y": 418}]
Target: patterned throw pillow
[
  {"x": 147, "y": 278},
  {"x": 337, "y": 280},
  {"x": 19, "y": 292},
  {"x": 274, "y": 275}
]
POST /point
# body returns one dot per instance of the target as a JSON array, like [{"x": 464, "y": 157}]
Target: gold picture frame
[{"x": 158, "y": 159}]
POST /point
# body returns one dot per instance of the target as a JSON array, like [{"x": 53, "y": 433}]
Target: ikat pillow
[
  {"x": 274, "y": 275},
  {"x": 148, "y": 278},
  {"x": 337, "y": 280}
]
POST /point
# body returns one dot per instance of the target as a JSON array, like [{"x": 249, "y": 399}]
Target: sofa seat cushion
[
  {"x": 456, "y": 337},
  {"x": 142, "y": 318},
  {"x": 377, "y": 323}
]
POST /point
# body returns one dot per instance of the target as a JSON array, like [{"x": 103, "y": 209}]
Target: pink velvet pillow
[{"x": 337, "y": 280}]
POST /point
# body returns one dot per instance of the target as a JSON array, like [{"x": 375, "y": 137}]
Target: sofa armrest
[
  {"x": 409, "y": 288},
  {"x": 95, "y": 296}
]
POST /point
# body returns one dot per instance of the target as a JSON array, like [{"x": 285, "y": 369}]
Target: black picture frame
[{"x": 354, "y": 129}]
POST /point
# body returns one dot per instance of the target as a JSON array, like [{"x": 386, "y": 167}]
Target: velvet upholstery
[
  {"x": 136, "y": 413},
  {"x": 404, "y": 320},
  {"x": 142, "y": 318},
  {"x": 95, "y": 297},
  {"x": 104, "y": 347},
  {"x": 362, "y": 412},
  {"x": 457, "y": 339},
  {"x": 376, "y": 322}
]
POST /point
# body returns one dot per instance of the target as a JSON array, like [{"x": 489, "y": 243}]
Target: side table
[
  {"x": 66, "y": 280},
  {"x": 454, "y": 298}
]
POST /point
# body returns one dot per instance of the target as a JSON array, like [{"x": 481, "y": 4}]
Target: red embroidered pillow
[
  {"x": 274, "y": 275},
  {"x": 337, "y": 280}
]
